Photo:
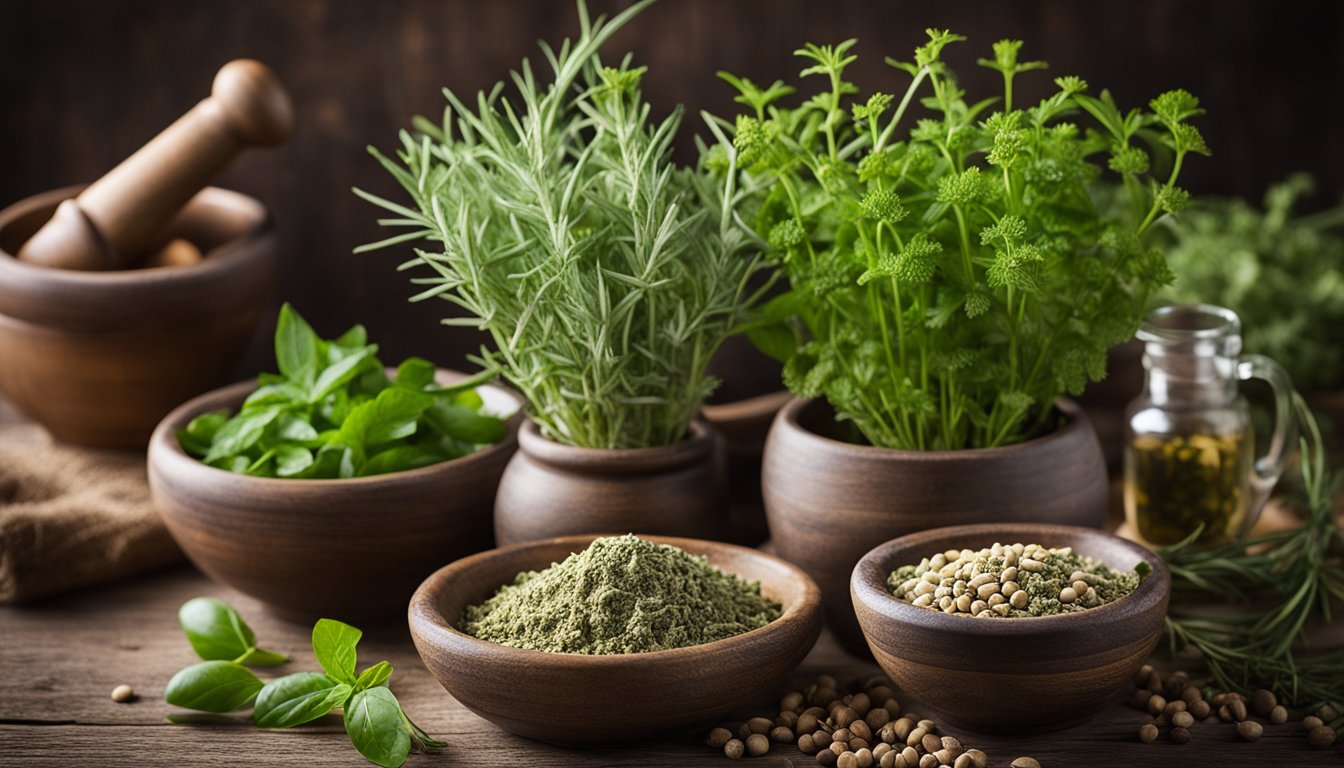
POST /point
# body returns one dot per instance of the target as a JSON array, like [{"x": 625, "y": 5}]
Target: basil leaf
[
  {"x": 334, "y": 646},
  {"x": 260, "y": 657},
  {"x": 295, "y": 428},
  {"x": 274, "y": 394},
  {"x": 212, "y": 686},
  {"x": 465, "y": 424},
  {"x": 297, "y": 699},
  {"x": 201, "y": 431},
  {"x": 296, "y": 347},
  {"x": 340, "y": 372},
  {"x": 291, "y": 460},
  {"x": 374, "y": 676},
  {"x": 415, "y": 373},
  {"x": 241, "y": 432},
  {"x": 354, "y": 338},
  {"x": 401, "y": 458},
  {"x": 214, "y": 629},
  {"x": 377, "y": 728}
]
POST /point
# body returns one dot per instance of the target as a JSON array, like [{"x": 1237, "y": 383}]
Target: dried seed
[
  {"x": 894, "y": 707},
  {"x": 1321, "y": 736},
  {"x": 806, "y": 745},
  {"x": 1140, "y": 699},
  {"x": 963, "y": 761},
  {"x": 1263, "y": 702},
  {"x": 760, "y": 725},
  {"x": 931, "y": 743},
  {"x": 864, "y": 758},
  {"x": 877, "y": 718},
  {"x": 1141, "y": 676},
  {"x": 1278, "y": 715},
  {"x": 978, "y": 759},
  {"x": 1156, "y": 705},
  {"x": 841, "y": 735},
  {"x": 891, "y": 760},
  {"x": 781, "y": 735},
  {"x": 1250, "y": 730},
  {"x": 1200, "y": 709},
  {"x": 847, "y": 760},
  {"x": 1179, "y": 736},
  {"x": 718, "y": 737},
  {"x": 911, "y": 756},
  {"x": 1182, "y": 719},
  {"x": 1025, "y": 762},
  {"x": 843, "y": 716},
  {"x": 792, "y": 702},
  {"x": 881, "y": 749},
  {"x": 861, "y": 704},
  {"x": 951, "y": 743},
  {"x": 916, "y": 736},
  {"x": 1190, "y": 694},
  {"x": 1327, "y": 713},
  {"x": 1067, "y": 595},
  {"x": 757, "y": 744},
  {"x": 855, "y": 744},
  {"x": 807, "y": 723},
  {"x": 1236, "y": 711},
  {"x": 826, "y": 758},
  {"x": 944, "y": 756},
  {"x": 927, "y": 725},
  {"x": 860, "y": 729},
  {"x": 1311, "y": 722},
  {"x": 123, "y": 694},
  {"x": 1173, "y": 707},
  {"x": 1148, "y": 733},
  {"x": 734, "y": 749},
  {"x": 928, "y": 761}
]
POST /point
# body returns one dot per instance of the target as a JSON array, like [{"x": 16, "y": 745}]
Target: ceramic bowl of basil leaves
[
  {"x": 575, "y": 699},
  {"x": 347, "y": 548}
]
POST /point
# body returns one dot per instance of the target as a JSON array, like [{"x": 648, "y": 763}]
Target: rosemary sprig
[
  {"x": 606, "y": 275},
  {"x": 1300, "y": 570}
]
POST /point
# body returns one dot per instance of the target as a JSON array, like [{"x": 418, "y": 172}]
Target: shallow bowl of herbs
[
  {"x": 262, "y": 494},
  {"x": 1022, "y": 673},
  {"x": 579, "y": 699}
]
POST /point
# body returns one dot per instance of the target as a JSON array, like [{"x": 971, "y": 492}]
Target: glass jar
[{"x": 1189, "y": 445}]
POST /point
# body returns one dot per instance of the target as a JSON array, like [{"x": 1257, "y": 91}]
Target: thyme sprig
[
  {"x": 605, "y": 275},
  {"x": 1295, "y": 574}
]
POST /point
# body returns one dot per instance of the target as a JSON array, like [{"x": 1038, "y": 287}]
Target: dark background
[{"x": 86, "y": 82}]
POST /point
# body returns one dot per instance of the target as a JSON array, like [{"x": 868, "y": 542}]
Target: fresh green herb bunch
[
  {"x": 606, "y": 275},
  {"x": 950, "y": 280},
  {"x": 1292, "y": 576},
  {"x": 1283, "y": 275},
  {"x": 374, "y": 719},
  {"x": 333, "y": 412}
]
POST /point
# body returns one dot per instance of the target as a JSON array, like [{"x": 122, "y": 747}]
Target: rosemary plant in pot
[
  {"x": 951, "y": 278},
  {"x": 605, "y": 275}
]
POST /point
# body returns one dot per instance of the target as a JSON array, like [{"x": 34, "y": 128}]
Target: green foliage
[
  {"x": 332, "y": 412},
  {"x": 374, "y": 719},
  {"x": 605, "y": 275},
  {"x": 949, "y": 283},
  {"x": 1283, "y": 274}
]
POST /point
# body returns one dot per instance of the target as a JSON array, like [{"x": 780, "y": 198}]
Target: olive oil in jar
[{"x": 1176, "y": 483}]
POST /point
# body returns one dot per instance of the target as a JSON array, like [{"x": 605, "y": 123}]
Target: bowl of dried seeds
[
  {"x": 584, "y": 640},
  {"x": 1011, "y": 626}
]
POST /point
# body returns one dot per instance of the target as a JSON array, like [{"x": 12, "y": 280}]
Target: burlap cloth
[{"x": 70, "y": 517}]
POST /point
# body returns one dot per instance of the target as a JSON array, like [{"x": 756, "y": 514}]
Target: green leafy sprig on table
[
  {"x": 1283, "y": 274},
  {"x": 374, "y": 720},
  {"x": 333, "y": 412},
  {"x": 952, "y": 276},
  {"x": 605, "y": 275},
  {"x": 1292, "y": 576}
]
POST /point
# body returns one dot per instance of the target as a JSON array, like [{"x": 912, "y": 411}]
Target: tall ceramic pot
[
  {"x": 828, "y": 501},
  {"x": 550, "y": 489}
]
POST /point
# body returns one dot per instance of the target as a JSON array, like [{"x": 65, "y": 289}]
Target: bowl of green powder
[
  {"x": 586, "y": 640},
  {"x": 1012, "y": 626}
]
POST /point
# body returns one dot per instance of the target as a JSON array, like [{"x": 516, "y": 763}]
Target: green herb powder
[
  {"x": 620, "y": 595},
  {"x": 1009, "y": 581}
]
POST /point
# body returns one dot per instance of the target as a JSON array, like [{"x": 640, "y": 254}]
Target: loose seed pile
[
  {"x": 1179, "y": 704},
  {"x": 1010, "y": 581},
  {"x": 620, "y": 595},
  {"x": 861, "y": 729}
]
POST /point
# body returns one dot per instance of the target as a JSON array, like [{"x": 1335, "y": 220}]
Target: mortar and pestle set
[{"x": 125, "y": 298}]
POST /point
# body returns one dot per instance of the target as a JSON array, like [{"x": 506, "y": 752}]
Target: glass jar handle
[{"x": 1267, "y": 469}]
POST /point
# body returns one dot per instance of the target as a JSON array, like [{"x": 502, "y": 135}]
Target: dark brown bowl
[
  {"x": 98, "y": 358},
  {"x": 828, "y": 500},
  {"x": 1021, "y": 674},
  {"x": 574, "y": 699},
  {"x": 346, "y": 549}
]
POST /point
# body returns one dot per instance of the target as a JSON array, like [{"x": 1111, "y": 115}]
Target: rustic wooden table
[{"x": 61, "y": 658}]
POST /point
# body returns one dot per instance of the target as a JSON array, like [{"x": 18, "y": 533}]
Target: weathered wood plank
[{"x": 60, "y": 659}]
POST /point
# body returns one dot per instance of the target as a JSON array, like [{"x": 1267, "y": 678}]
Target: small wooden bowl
[
  {"x": 573, "y": 699},
  {"x": 351, "y": 549},
  {"x": 1022, "y": 674},
  {"x": 98, "y": 358}
]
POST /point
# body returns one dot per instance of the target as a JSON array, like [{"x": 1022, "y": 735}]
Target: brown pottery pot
[
  {"x": 743, "y": 425},
  {"x": 351, "y": 549},
  {"x": 1015, "y": 675},
  {"x": 580, "y": 700},
  {"x": 98, "y": 358},
  {"x": 550, "y": 489},
  {"x": 828, "y": 501}
]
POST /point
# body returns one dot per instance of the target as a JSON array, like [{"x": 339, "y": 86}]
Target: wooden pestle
[{"x": 124, "y": 213}]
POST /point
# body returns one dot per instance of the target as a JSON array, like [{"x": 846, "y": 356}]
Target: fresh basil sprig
[
  {"x": 333, "y": 412},
  {"x": 374, "y": 719}
]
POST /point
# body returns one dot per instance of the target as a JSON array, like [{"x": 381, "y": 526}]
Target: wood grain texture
[
  {"x": 828, "y": 502},
  {"x": 969, "y": 669},
  {"x": 550, "y": 489},
  {"x": 60, "y": 659},
  {"x": 566, "y": 698},
  {"x": 346, "y": 549},
  {"x": 89, "y": 82},
  {"x": 100, "y": 357}
]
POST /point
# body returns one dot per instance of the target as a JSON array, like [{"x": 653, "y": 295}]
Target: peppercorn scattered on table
[{"x": 61, "y": 660}]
